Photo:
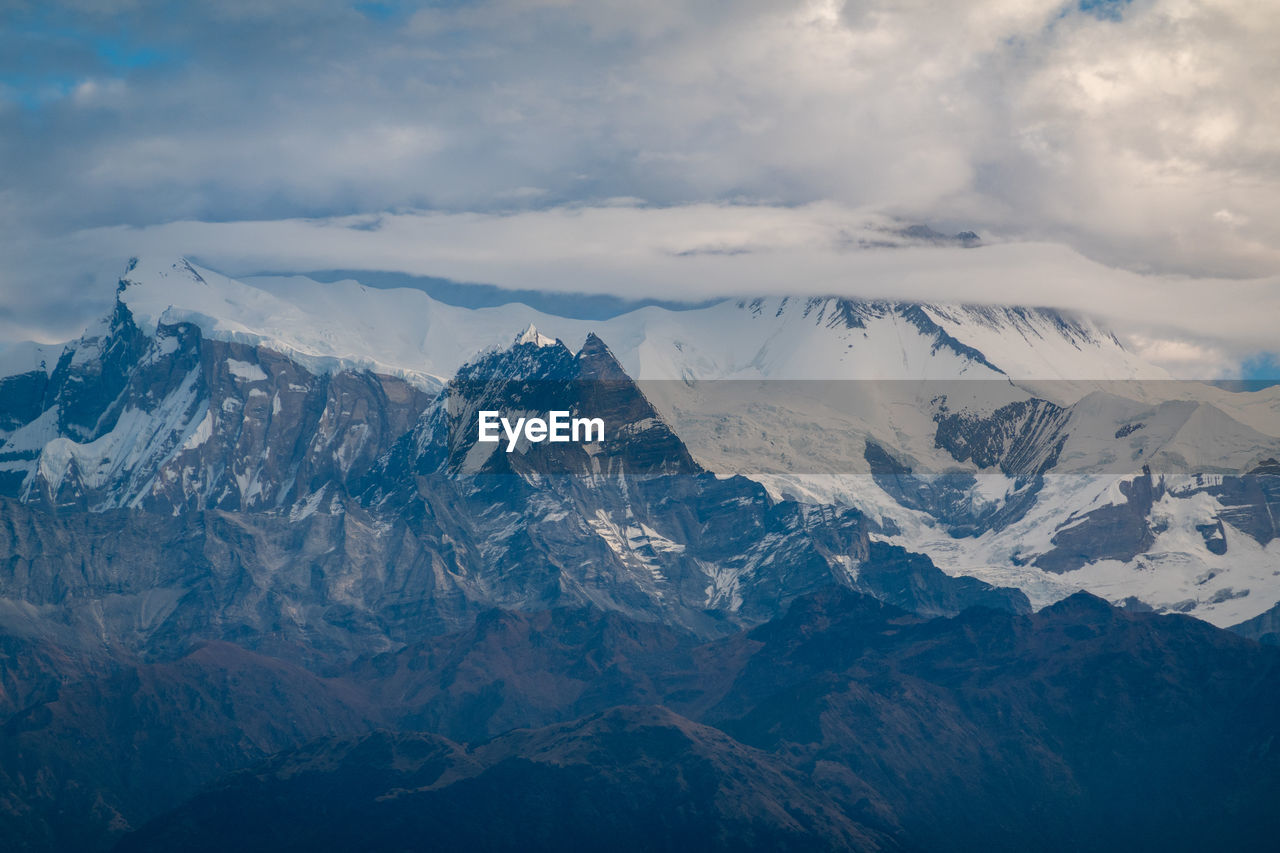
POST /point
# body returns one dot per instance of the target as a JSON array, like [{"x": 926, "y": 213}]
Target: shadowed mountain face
[
  {"x": 237, "y": 556},
  {"x": 846, "y": 723},
  {"x": 282, "y": 397},
  {"x": 627, "y": 779},
  {"x": 321, "y": 517},
  {"x": 270, "y": 601},
  {"x": 80, "y": 768}
]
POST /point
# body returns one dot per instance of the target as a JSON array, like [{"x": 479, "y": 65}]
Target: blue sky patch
[{"x": 1104, "y": 10}]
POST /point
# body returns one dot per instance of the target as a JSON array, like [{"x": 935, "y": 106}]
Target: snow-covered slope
[
  {"x": 28, "y": 356},
  {"x": 1014, "y": 444},
  {"x": 1051, "y": 516},
  {"x": 406, "y": 333}
]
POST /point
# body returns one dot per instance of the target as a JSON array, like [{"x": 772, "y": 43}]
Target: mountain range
[{"x": 844, "y": 574}]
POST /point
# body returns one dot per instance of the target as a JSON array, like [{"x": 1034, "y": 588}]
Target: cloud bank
[
  {"x": 1196, "y": 327},
  {"x": 1141, "y": 138}
]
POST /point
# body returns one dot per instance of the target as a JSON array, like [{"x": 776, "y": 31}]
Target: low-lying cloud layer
[
  {"x": 1108, "y": 138},
  {"x": 1196, "y": 327}
]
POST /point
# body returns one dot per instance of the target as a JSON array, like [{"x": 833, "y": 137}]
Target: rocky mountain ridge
[
  {"x": 200, "y": 392},
  {"x": 217, "y": 546},
  {"x": 846, "y": 722}
]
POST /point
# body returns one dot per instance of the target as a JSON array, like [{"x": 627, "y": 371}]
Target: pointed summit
[
  {"x": 531, "y": 335},
  {"x": 597, "y": 362}
]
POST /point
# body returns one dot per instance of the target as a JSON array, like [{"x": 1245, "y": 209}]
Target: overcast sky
[{"x": 1120, "y": 158}]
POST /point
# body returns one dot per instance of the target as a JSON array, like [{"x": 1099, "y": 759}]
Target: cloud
[
  {"x": 1144, "y": 136},
  {"x": 1197, "y": 327},
  {"x": 1121, "y": 133}
]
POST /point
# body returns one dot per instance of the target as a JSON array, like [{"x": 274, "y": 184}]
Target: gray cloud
[
  {"x": 1146, "y": 139},
  {"x": 1196, "y": 327}
]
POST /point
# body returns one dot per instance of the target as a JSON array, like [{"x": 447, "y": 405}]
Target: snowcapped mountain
[
  {"x": 345, "y": 513},
  {"x": 1015, "y": 445},
  {"x": 239, "y": 516},
  {"x": 405, "y": 333}
]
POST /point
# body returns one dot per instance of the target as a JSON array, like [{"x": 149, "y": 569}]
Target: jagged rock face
[
  {"x": 1250, "y": 503},
  {"x": 330, "y": 585},
  {"x": 199, "y": 392},
  {"x": 1022, "y": 439},
  {"x": 89, "y": 380},
  {"x": 273, "y": 507},
  {"x": 1118, "y": 531},
  {"x": 210, "y": 552},
  {"x": 176, "y": 422},
  {"x": 1025, "y": 440},
  {"x": 633, "y": 524},
  {"x": 840, "y": 313},
  {"x": 949, "y": 497},
  {"x": 530, "y": 379}
]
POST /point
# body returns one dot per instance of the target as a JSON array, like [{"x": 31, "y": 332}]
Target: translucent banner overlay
[{"x": 926, "y": 428}]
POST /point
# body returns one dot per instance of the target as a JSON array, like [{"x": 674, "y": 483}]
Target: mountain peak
[
  {"x": 531, "y": 335},
  {"x": 148, "y": 269},
  {"x": 1082, "y": 606},
  {"x": 598, "y": 363}
]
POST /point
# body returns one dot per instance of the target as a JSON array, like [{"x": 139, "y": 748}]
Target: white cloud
[
  {"x": 1183, "y": 357},
  {"x": 1121, "y": 137},
  {"x": 1195, "y": 326},
  {"x": 1148, "y": 141}
]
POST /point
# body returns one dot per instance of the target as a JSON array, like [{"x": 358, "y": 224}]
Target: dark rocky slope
[{"x": 847, "y": 723}]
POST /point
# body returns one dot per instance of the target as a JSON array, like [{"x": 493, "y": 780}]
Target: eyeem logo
[{"x": 557, "y": 426}]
